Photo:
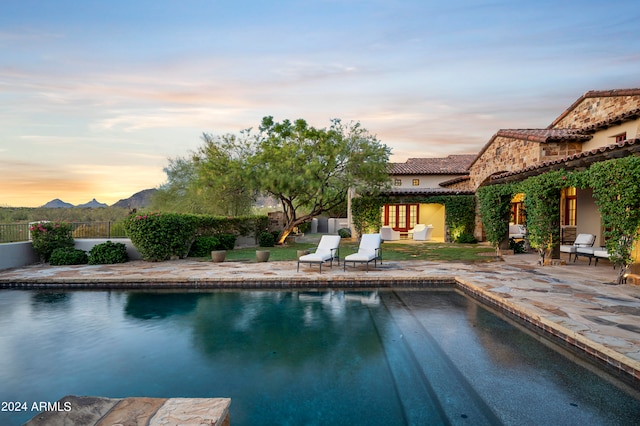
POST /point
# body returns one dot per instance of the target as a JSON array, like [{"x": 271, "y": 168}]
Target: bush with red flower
[{"x": 48, "y": 236}]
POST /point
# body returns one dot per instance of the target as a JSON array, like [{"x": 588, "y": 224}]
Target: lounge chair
[
  {"x": 421, "y": 232},
  {"x": 387, "y": 233},
  {"x": 582, "y": 241},
  {"x": 601, "y": 253},
  {"x": 327, "y": 250},
  {"x": 368, "y": 251}
]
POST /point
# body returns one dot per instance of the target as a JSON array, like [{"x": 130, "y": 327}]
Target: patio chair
[
  {"x": 582, "y": 241},
  {"x": 387, "y": 233},
  {"x": 327, "y": 250},
  {"x": 517, "y": 232},
  {"x": 421, "y": 232},
  {"x": 368, "y": 251},
  {"x": 601, "y": 253}
]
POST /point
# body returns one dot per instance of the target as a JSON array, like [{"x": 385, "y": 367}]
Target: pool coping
[{"x": 618, "y": 365}]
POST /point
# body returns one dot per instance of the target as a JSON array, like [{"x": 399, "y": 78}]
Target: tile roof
[
  {"x": 451, "y": 165},
  {"x": 544, "y": 135},
  {"x": 631, "y": 145},
  {"x": 427, "y": 191}
]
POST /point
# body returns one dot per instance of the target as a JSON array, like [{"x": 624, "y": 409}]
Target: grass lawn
[{"x": 435, "y": 251}]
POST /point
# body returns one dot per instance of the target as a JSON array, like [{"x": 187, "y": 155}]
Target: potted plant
[{"x": 218, "y": 256}]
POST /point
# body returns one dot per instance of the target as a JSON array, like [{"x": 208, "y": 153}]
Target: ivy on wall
[
  {"x": 617, "y": 195},
  {"x": 542, "y": 207},
  {"x": 459, "y": 217},
  {"x": 366, "y": 215},
  {"x": 494, "y": 203},
  {"x": 616, "y": 192}
]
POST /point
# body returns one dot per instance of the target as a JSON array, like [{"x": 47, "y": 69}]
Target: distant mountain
[
  {"x": 57, "y": 204},
  {"x": 138, "y": 200},
  {"x": 93, "y": 204}
]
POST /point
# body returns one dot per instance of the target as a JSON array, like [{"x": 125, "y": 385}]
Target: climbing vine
[
  {"x": 459, "y": 217},
  {"x": 617, "y": 194},
  {"x": 366, "y": 213},
  {"x": 494, "y": 203},
  {"x": 542, "y": 204}
]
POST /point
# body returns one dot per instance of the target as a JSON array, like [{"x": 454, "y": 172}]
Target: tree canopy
[{"x": 311, "y": 170}]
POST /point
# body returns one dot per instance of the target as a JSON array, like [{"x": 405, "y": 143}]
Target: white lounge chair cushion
[
  {"x": 360, "y": 257},
  {"x": 568, "y": 249},
  {"x": 325, "y": 251},
  {"x": 585, "y": 250},
  {"x": 601, "y": 253},
  {"x": 316, "y": 257},
  {"x": 369, "y": 244},
  {"x": 584, "y": 240}
]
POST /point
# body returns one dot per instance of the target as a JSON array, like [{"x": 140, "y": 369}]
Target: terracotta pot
[
  {"x": 262, "y": 255},
  {"x": 218, "y": 256}
]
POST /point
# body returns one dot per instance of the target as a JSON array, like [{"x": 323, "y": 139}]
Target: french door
[{"x": 400, "y": 217}]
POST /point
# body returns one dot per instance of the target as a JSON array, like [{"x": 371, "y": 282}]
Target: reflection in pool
[{"x": 414, "y": 357}]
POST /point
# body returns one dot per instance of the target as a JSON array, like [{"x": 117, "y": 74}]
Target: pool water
[{"x": 298, "y": 358}]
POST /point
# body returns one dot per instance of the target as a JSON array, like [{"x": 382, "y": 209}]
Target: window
[
  {"x": 397, "y": 182},
  {"x": 570, "y": 206},
  {"x": 621, "y": 137},
  {"x": 400, "y": 217},
  {"x": 517, "y": 210},
  {"x": 416, "y": 182}
]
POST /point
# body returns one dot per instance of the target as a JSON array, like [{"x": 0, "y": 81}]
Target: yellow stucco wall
[{"x": 433, "y": 214}]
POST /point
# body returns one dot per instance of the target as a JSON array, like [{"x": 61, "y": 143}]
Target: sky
[{"x": 97, "y": 96}]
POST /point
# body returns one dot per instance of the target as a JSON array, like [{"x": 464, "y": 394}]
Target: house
[
  {"x": 412, "y": 182},
  {"x": 598, "y": 126}
]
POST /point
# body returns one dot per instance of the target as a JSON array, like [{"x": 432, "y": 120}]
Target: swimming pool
[{"x": 326, "y": 357}]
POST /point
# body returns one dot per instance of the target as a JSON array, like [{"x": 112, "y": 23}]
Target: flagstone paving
[{"x": 576, "y": 300}]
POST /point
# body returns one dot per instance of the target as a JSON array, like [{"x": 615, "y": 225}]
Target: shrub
[
  {"x": 266, "y": 239},
  {"x": 48, "y": 236},
  {"x": 466, "y": 239},
  {"x": 68, "y": 256},
  {"x": 203, "y": 246},
  {"x": 344, "y": 233},
  {"x": 161, "y": 236},
  {"x": 108, "y": 253},
  {"x": 516, "y": 246},
  {"x": 227, "y": 241}
]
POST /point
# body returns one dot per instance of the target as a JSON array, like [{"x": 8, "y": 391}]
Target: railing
[{"x": 14, "y": 232}]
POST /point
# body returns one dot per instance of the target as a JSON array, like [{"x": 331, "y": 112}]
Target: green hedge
[
  {"x": 162, "y": 236},
  {"x": 204, "y": 245}
]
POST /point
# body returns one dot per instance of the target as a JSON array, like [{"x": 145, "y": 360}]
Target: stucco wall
[
  {"x": 14, "y": 255},
  {"x": 433, "y": 214},
  {"x": 587, "y": 216},
  {"x": 426, "y": 181},
  {"x": 606, "y": 137}
]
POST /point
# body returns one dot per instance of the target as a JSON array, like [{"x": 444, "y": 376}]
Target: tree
[
  {"x": 312, "y": 169},
  {"x": 209, "y": 181},
  {"x": 220, "y": 165}
]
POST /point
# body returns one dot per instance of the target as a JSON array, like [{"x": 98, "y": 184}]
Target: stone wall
[
  {"x": 596, "y": 107},
  {"x": 503, "y": 154}
]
